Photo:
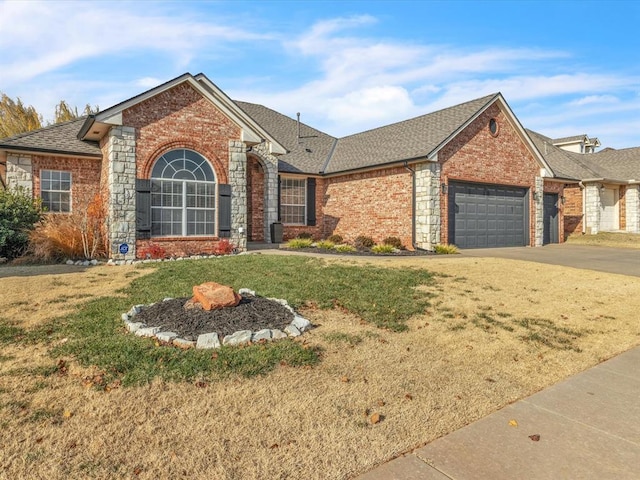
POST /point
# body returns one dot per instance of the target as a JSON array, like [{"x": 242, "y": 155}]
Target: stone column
[
  {"x": 238, "y": 182},
  {"x": 20, "y": 172},
  {"x": 538, "y": 199},
  {"x": 632, "y": 202},
  {"x": 427, "y": 205},
  {"x": 121, "y": 183},
  {"x": 270, "y": 163},
  {"x": 592, "y": 208}
]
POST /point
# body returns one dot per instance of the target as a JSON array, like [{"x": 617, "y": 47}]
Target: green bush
[
  {"x": 393, "y": 241},
  {"x": 19, "y": 213},
  {"x": 446, "y": 249},
  {"x": 383, "y": 248},
  {"x": 326, "y": 244},
  {"x": 363, "y": 242},
  {"x": 299, "y": 243},
  {"x": 335, "y": 238},
  {"x": 344, "y": 248}
]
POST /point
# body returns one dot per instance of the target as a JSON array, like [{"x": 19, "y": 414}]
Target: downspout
[
  {"x": 413, "y": 205},
  {"x": 584, "y": 206}
]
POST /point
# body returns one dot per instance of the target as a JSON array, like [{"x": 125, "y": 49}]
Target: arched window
[{"x": 183, "y": 195}]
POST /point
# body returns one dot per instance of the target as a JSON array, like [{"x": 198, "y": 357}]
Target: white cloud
[{"x": 594, "y": 99}]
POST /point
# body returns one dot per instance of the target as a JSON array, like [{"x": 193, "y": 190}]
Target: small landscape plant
[
  {"x": 325, "y": 244},
  {"x": 393, "y": 241},
  {"x": 304, "y": 235},
  {"x": 19, "y": 213},
  {"x": 223, "y": 247},
  {"x": 446, "y": 249},
  {"x": 345, "y": 248},
  {"x": 299, "y": 243},
  {"x": 335, "y": 238},
  {"x": 383, "y": 248},
  {"x": 363, "y": 242},
  {"x": 153, "y": 251}
]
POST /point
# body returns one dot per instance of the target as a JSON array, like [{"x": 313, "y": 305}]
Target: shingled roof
[
  {"x": 316, "y": 152},
  {"x": 59, "y": 138}
]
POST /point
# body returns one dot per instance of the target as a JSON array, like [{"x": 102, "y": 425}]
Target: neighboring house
[{"x": 183, "y": 166}]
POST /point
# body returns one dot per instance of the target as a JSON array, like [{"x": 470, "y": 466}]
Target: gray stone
[
  {"x": 166, "y": 299},
  {"x": 264, "y": 334},
  {"x": 94, "y": 262},
  {"x": 147, "y": 331},
  {"x": 301, "y": 323},
  {"x": 69, "y": 262},
  {"x": 136, "y": 309},
  {"x": 125, "y": 317},
  {"x": 86, "y": 263},
  {"x": 246, "y": 291},
  {"x": 166, "y": 336},
  {"x": 133, "y": 327},
  {"x": 182, "y": 343},
  {"x": 208, "y": 340},
  {"x": 238, "y": 338},
  {"x": 277, "y": 334},
  {"x": 292, "y": 330}
]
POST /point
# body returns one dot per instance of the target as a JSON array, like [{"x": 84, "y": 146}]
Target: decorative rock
[
  {"x": 213, "y": 296},
  {"x": 94, "y": 262},
  {"x": 264, "y": 334},
  {"x": 166, "y": 299},
  {"x": 292, "y": 330},
  {"x": 247, "y": 291},
  {"x": 136, "y": 309},
  {"x": 147, "y": 331},
  {"x": 208, "y": 340},
  {"x": 238, "y": 338},
  {"x": 166, "y": 336},
  {"x": 301, "y": 323},
  {"x": 133, "y": 327},
  {"x": 277, "y": 334},
  {"x": 69, "y": 262},
  {"x": 182, "y": 343},
  {"x": 125, "y": 317}
]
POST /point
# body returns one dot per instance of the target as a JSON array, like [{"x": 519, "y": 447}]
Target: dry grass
[
  {"x": 452, "y": 367},
  {"x": 607, "y": 239}
]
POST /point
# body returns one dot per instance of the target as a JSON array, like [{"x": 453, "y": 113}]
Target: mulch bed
[
  {"x": 368, "y": 253},
  {"x": 252, "y": 313}
]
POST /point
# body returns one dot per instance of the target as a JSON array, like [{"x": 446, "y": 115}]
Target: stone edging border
[{"x": 297, "y": 327}]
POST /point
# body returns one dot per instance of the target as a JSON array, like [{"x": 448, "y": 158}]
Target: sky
[{"x": 564, "y": 67}]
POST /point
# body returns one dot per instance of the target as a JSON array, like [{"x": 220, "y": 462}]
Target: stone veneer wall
[
  {"x": 592, "y": 208},
  {"x": 121, "y": 191},
  {"x": 270, "y": 206},
  {"x": 20, "y": 172},
  {"x": 238, "y": 182},
  {"x": 538, "y": 200},
  {"x": 632, "y": 201},
  {"x": 427, "y": 205}
]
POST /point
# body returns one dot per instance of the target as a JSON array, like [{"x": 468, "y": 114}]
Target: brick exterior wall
[
  {"x": 255, "y": 200},
  {"x": 85, "y": 176},
  {"x": 572, "y": 211},
  {"x": 475, "y": 155},
  {"x": 376, "y": 203},
  {"x": 181, "y": 118}
]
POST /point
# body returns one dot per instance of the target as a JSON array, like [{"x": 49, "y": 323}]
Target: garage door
[{"x": 488, "y": 215}]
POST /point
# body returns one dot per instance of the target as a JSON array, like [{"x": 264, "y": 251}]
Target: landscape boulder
[{"x": 213, "y": 296}]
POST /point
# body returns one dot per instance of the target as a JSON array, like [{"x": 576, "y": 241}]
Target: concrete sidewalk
[{"x": 588, "y": 428}]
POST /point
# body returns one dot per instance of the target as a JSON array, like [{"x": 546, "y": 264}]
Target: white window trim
[
  {"x": 304, "y": 181},
  {"x": 59, "y": 191}
]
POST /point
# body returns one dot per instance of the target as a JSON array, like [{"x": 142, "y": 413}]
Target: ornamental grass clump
[
  {"x": 383, "y": 248},
  {"x": 325, "y": 244},
  {"x": 446, "y": 249},
  {"x": 299, "y": 243},
  {"x": 344, "y": 248}
]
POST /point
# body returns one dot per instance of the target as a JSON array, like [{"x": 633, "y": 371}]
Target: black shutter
[
  {"x": 143, "y": 208},
  {"x": 224, "y": 211},
  {"x": 279, "y": 190},
  {"x": 311, "y": 202}
]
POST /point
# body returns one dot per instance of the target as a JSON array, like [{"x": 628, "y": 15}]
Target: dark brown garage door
[{"x": 483, "y": 215}]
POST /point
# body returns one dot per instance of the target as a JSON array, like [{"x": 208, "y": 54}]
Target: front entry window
[{"x": 183, "y": 193}]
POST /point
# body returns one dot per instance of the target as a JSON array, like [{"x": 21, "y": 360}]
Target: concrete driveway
[{"x": 602, "y": 259}]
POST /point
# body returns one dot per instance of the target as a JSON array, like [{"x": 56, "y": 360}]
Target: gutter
[{"x": 584, "y": 206}]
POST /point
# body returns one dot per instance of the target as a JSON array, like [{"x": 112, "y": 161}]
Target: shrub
[
  {"x": 224, "y": 247},
  {"x": 393, "y": 241},
  {"x": 153, "y": 250},
  {"x": 344, "y": 248},
  {"x": 79, "y": 234},
  {"x": 446, "y": 249},
  {"x": 335, "y": 239},
  {"x": 383, "y": 248},
  {"x": 363, "y": 242},
  {"x": 326, "y": 244},
  {"x": 19, "y": 213},
  {"x": 299, "y": 243},
  {"x": 304, "y": 235}
]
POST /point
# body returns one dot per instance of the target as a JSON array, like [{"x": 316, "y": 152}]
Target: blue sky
[{"x": 565, "y": 68}]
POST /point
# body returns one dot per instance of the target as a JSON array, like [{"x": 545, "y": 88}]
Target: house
[{"x": 184, "y": 166}]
